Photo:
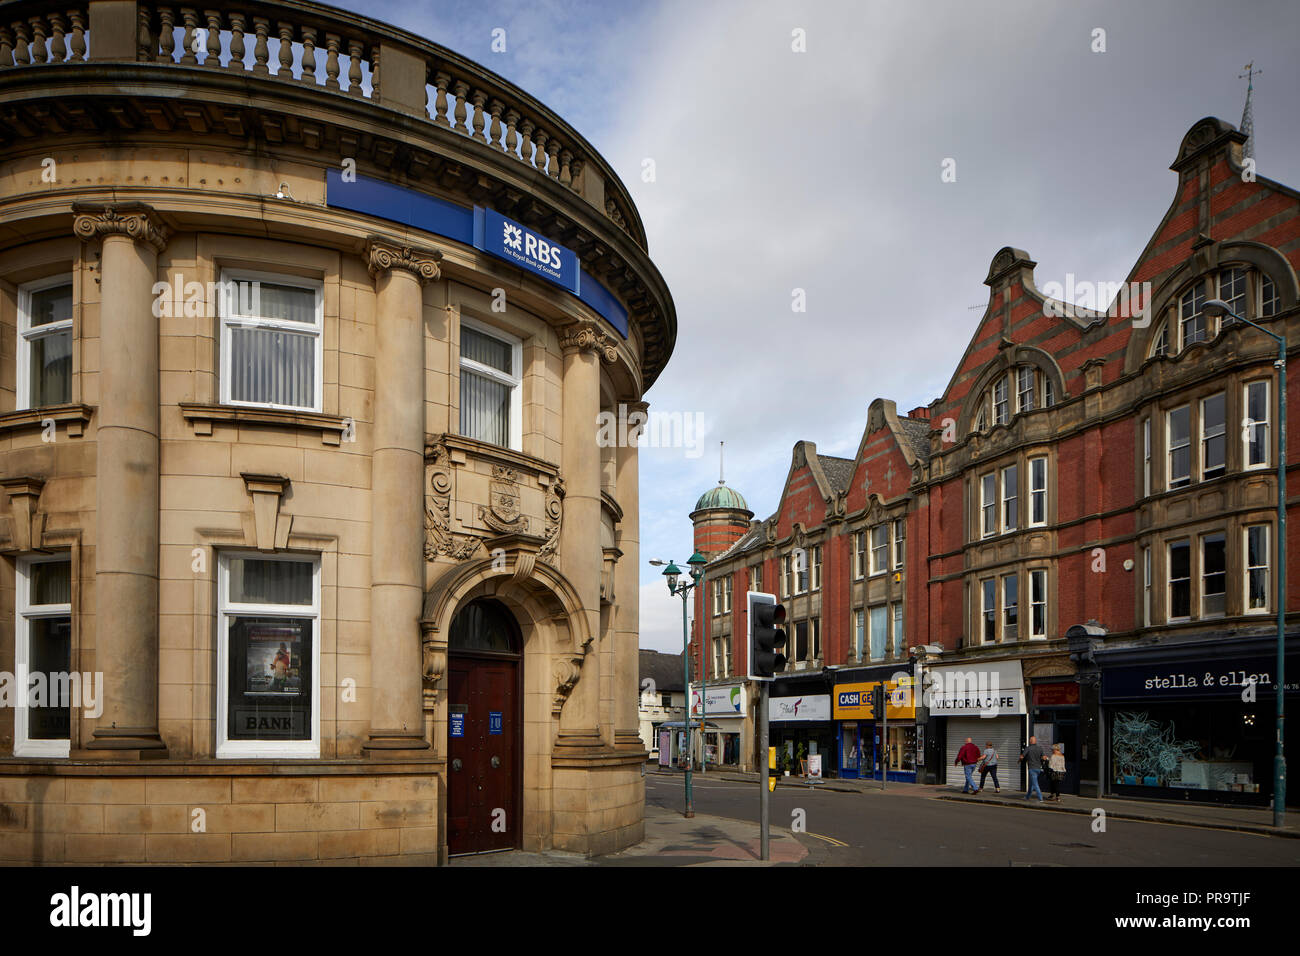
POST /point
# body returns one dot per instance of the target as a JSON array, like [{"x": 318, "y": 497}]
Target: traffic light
[
  {"x": 877, "y": 701},
  {"x": 766, "y": 620}
]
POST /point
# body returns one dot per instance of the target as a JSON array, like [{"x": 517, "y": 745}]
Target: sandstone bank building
[{"x": 305, "y": 327}]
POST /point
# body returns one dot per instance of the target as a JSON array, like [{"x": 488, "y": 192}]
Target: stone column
[
  {"x": 127, "y": 491},
  {"x": 627, "y": 587},
  {"x": 584, "y": 346},
  {"x": 397, "y": 498}
]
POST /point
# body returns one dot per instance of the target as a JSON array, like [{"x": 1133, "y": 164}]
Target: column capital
[
  {"x": 383, "y": 256},
  {"x": 136, "y": 220},
  {"x": 588, "y": 336}
]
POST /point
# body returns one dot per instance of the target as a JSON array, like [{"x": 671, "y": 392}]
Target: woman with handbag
[
  {"x": 1056, "y": 771},
  {"x": 989, "y": 765}
]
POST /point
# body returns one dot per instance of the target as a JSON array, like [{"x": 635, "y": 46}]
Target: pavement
[
  {"x": 1208, "y": 816},
  {"x": 674, "y": 840}
]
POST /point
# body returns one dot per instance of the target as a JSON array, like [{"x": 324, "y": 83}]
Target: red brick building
[{"x": 1109, "y": 470}]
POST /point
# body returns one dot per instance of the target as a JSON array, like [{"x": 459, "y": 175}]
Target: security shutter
[{"x": 1005, "y": 734}]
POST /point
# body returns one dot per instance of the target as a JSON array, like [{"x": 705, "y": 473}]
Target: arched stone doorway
[{"x": 485, "y": 729}]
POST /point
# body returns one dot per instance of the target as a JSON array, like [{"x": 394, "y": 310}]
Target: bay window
[
  {"x": 1010, "y": 496},
  {"x": 44, "y": 371},
  {"x": 1213, "y": 437},
  {"x": 988, "y": 505},
  {"x": 880, "y": 549},
  {"x": 271, "y": 341},
  {"x": 1179, "y": 442},
  {"x": 1038, "y": 491},
  {"x": 1256, "y": 568},
  {"x": 1038, "y": 604},
  {"x": 1255, "y": 398},
  {"x": 1010, "y": 606}
]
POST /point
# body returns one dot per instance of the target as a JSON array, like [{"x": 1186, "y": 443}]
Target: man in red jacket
[{"x": 967, "y": 757}]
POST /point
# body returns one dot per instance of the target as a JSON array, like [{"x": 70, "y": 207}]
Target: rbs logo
[{"x": 533, "y": 247}]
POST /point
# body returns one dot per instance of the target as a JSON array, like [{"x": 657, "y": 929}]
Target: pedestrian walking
[
  {"x": 967, "y": 757},
  {"x": 1056, "y": 771},
  {"x": 1033, "y": 759},
  {"x": 989, "y": 765}
]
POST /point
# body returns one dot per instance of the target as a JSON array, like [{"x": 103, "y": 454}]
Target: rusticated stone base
[
  {"x": 599, "y": 808},
  {"x": 333, "y": 813}
]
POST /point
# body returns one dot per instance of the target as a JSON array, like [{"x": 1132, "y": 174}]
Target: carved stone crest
[{"x": 502, "y": 513}]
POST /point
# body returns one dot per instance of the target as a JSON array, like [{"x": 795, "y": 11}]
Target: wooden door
[{"x": 483, "y": 751}]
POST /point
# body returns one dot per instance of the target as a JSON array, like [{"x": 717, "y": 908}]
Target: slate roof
[
  {"x": 838, "y": 471},
  {"x": 664, "y": 669},
  {"x": 918, "y": 435}
]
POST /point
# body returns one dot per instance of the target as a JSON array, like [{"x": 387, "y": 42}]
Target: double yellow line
[{"x": 831, "y": 840}]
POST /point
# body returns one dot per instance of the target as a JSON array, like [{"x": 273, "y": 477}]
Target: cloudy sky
[{"x": 777, "y": 170}]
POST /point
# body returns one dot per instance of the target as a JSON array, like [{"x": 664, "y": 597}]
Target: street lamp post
[
  {"x": 1217, "y": 307},
  {"x": 673, "y": 574}
]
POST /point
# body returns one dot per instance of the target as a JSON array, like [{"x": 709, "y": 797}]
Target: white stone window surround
[
  {"x": 515, "y": 426},
  {"x": 229, "y": 319},
  {"x": 226, "y": 611},
  {"x": 27, "y": 334},
  {"x": 24, "y": 613}
]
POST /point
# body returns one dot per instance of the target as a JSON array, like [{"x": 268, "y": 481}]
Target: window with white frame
[
  {"x": 988, "y": 505},
  {"x": 727, "y": 587},
  {"x": 896, "y": 612},
  {"x": 44, "y": 370},
  {"x": 787, "y": 575},
  {"x": 1038, "y": 604},
  {"x": 268, "y": 656},
  {"x": 43, "y": 646},
  {"x": 1025, "y": 388},
  {"x": 1180, "y": 580},
  {"x": 1214, "y": 578},
  {"x": 859, "y": 554},
  {"x": 1178, "y": 432},
  {"x": 1010, "y": 496},
  {"x": 1256, "y": 568},
  {"x": 1000, "y": 401},
  {"x": 859, "y": 619},
  {"x": 1255, "y": 398},
  {"x": 1191, "y": 316},
  {"x": 816, "y": 553},
  {"x": 1010, "y": 606},
  {"x": 1232, "y": 290},
  {"x": 271, "y": 340},
  {"x": 1268, "y": 297},
  {"x": 715, "y": 595},
  {"x": 800, "y": 570},
  {"x": 989, "y": 611},
  {"x": 756, "y": 578},
  {"x": 1213, "y": 437},
  {"x": 880, "y": 549},
  {"x": 878, "y": 622},
  {"x": 1146, "y": 456},
  {"x": 800, "y": 637},
  {"x": 1146, "y": 587},
  {"x": 815, "y": 632},
  {"x": 900, "y": 541},
  {"x": 1038, "y": 491},
  {"x": 490, "y": 385},
  {"x": 1160, "y": 343}
]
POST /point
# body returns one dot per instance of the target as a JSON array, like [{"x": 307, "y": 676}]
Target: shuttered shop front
[{"x": 1003, "y": 731}]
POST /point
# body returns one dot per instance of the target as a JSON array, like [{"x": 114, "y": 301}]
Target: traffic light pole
[
  {"x": 884, "y": 736},
  {"x": 764, "y": 809}
]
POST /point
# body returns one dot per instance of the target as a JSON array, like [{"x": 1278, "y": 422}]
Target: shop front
[
  {"x": 726, "y": 737},
  {"x": 982, "y": 700},
  {"x": 1054, "y": 719},
  {"x": 1195, "y": 722},
  {"x": 869, "y": 747},
  {"x": 801, "y": 729}
]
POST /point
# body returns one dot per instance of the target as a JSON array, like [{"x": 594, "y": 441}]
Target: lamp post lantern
[
  {"x": 1217, "y": 307},
  {"x": 672, "y": 573}
]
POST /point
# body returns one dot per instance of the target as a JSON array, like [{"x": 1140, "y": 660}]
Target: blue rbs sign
[{"x": 519, "y": 245}]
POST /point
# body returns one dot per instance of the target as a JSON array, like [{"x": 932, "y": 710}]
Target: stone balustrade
[{"x": 313, "y": 45}]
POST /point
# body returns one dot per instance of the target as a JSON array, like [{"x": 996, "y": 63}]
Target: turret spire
[{"x": 1247, "y": 117}]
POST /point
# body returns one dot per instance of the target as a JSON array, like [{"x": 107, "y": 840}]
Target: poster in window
[{"x": 274, "y": 661}]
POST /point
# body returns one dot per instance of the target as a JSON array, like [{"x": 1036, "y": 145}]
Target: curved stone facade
[{"x": 266, "y": 379}]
